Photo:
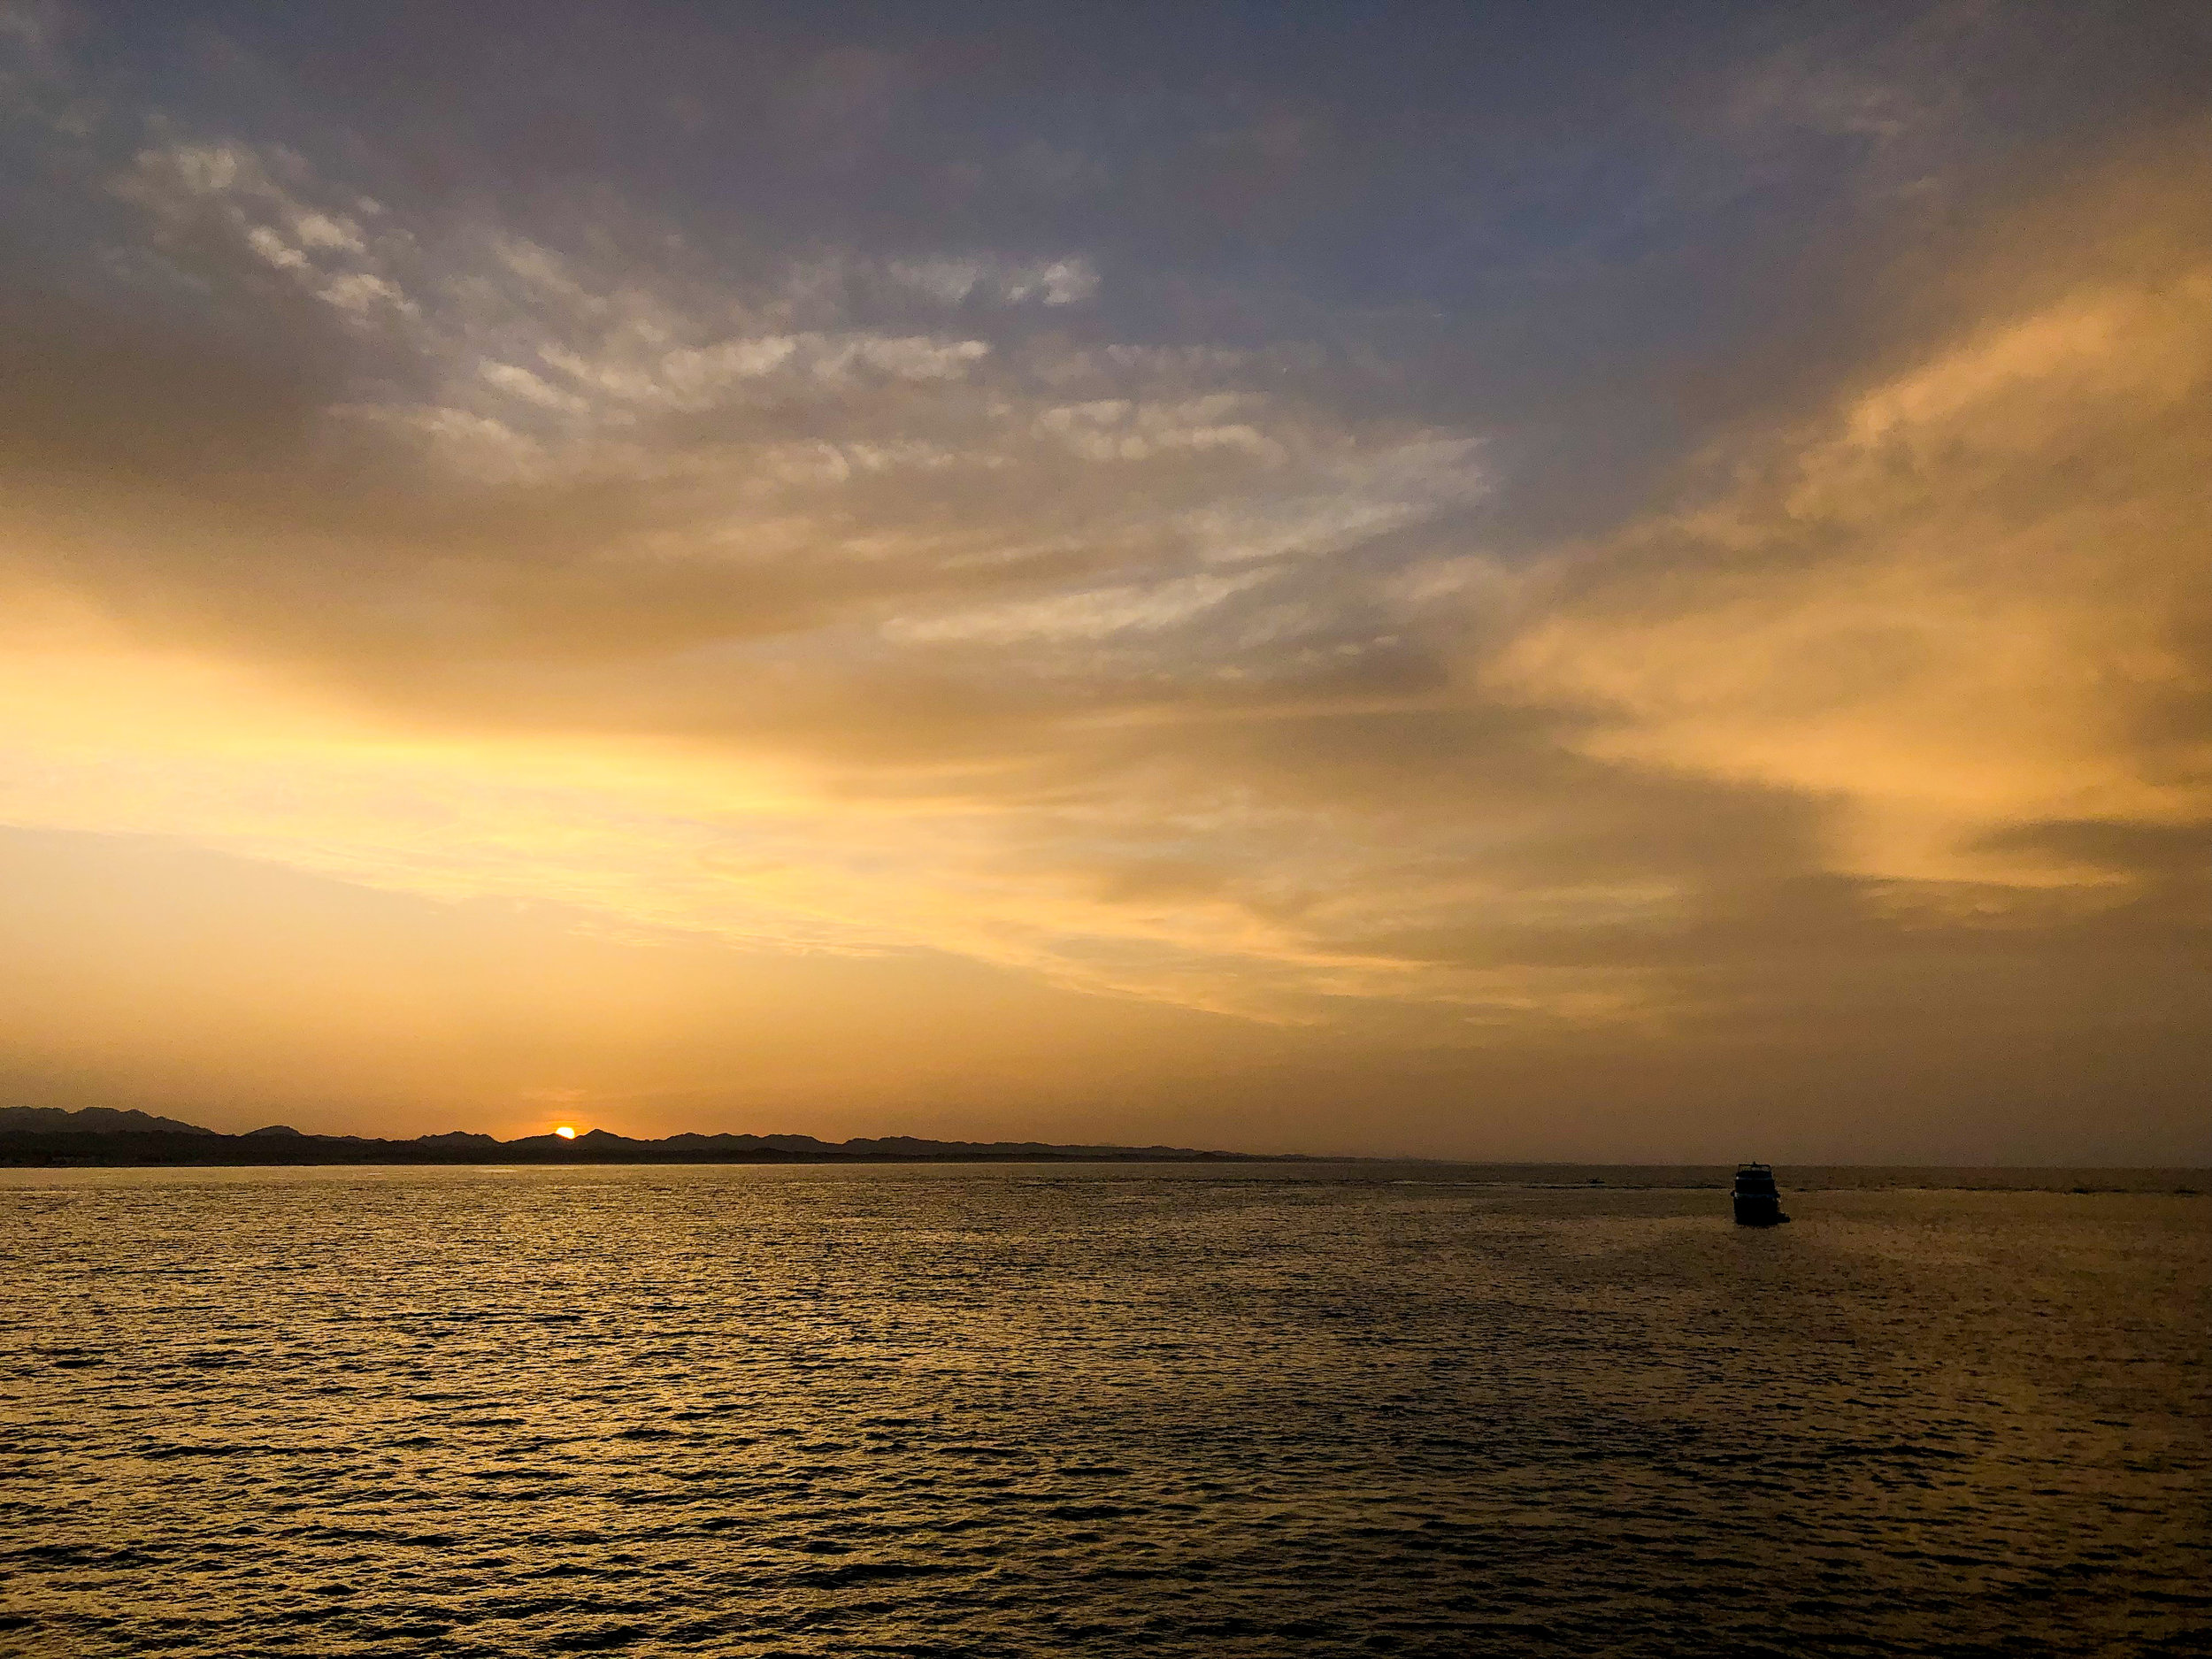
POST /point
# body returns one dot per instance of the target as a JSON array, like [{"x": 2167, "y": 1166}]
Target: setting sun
[{"x": 566, "y": 1133}]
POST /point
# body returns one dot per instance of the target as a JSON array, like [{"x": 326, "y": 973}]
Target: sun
[{"x": 566, "y": 1133}]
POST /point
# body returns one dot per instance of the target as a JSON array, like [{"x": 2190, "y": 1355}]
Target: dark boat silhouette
[{"x": 1757, "y": 1201}]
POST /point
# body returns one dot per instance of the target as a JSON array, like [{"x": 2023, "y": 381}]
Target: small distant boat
[{"x": 1758, "y": 1201}]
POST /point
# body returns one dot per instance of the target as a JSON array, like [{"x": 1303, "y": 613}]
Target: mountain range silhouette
[{"x": 106, "y": 1135}]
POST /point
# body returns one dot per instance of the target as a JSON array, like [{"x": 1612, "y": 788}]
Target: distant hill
[
  {"x": 102, "y": 1134},
  {"x": 96, "y": 1120}
]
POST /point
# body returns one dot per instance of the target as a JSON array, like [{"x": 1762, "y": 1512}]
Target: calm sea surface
[{"x": 1022, "y": 1410}]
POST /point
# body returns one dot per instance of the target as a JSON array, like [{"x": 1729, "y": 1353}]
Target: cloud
[
  {"x": 1091, "y": 615},
  {"x": 1063, "y": 281},
  {"x": 266, "y": 204},
  {"x": 558, "y": 495},
  {"x": 1006, "y": 687},
  {"x": 1967, "y": 597}
]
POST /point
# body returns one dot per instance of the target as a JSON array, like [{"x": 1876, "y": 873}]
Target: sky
[{"x": 1538, "y": 581}]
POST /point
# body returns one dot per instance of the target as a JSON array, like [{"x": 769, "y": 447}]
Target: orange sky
[{"x": 557, "y": 649}]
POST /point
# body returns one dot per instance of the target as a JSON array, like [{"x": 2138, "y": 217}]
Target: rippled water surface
[{"x": 1019, "y": 1411}]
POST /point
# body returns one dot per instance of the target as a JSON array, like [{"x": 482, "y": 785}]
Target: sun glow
[{"x": 566, "y": 1133}]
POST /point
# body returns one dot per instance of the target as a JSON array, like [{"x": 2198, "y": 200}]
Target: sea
[{"x": 1218, "y": 1410}]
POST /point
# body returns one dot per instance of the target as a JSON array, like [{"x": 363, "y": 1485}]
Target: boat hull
[{"x": 1758, "y": 1210}]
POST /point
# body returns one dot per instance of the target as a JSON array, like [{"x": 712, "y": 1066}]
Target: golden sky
[{"x": 1464, "y": 588}]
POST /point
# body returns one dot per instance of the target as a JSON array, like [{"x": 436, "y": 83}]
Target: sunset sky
[{"x": 1511, "y": 581}]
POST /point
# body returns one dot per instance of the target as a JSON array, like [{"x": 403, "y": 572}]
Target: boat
[{"x": 1757, "y": 1201}]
